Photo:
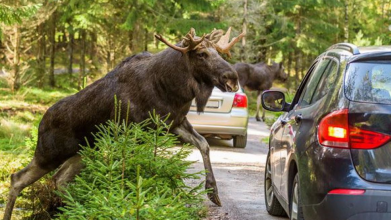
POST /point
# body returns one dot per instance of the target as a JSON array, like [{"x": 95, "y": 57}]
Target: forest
[
  {"x": 85, "y": 39},
  {"x": 50, "y": 49}
]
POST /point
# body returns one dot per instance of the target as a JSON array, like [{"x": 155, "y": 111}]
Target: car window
[
  {"x": 327, "y": 82},
  {"x": 300, "y": 90},
  {"x": 369, "y": 82},
  {"x": 312, "y": 83}
]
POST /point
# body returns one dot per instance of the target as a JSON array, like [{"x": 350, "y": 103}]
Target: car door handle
[{"x": 298, "y": 118}]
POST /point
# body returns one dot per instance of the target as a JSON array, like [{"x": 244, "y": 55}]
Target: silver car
[{"x": 225, "y": 117}]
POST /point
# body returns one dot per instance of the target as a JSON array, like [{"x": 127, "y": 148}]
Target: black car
[{"x": 330, "y": 152}]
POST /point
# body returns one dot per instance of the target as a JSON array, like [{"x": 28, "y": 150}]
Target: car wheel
[
  {"x": 296, "y": 211},
  {"x": 240, "y": 141},
  {"x": 273, "y": 206}
]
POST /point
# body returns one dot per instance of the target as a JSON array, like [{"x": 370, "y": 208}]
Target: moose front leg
[{"x": 189, "y": 135}]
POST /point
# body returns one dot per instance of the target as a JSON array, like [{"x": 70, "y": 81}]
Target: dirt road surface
[{"x": 239, "y": 174}]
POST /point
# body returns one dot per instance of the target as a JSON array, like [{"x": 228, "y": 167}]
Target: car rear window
[{"x": 369, "y": 82}]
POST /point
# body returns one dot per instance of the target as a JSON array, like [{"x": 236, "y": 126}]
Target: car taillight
[
  {"x": 240, "y": 101},
  {"x": 364, "y": 139},
  {"x": 334, "y": 131},
  {"x": 347, "y": 191}
]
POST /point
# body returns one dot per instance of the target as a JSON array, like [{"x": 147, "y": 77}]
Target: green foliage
[
  {"x": 11, "y": 15},
  {"x": 137, "y": 173},
  {"x": 14, "y": 15},
  {"x": 360, "y": 40}
]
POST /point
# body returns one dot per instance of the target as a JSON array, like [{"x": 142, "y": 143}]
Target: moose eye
[{"x": 202, "y": 55}]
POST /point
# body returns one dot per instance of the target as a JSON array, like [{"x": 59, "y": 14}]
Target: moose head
[
  {"x": 281, "y": 74},
  {"x": 206, "y": 64}
]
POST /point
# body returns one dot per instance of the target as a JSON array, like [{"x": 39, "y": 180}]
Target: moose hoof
[
  {"x": 257, "y": 118},
  {"x": 214, "y": 198}
]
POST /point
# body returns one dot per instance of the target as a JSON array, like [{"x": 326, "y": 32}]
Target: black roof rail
[{"x": 346, "y": 46}]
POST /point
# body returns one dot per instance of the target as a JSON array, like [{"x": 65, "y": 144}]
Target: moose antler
[
  {"x": 215, "y": 35},
  {"x": 223, "y": 46},
  {"x": 188, "y": 40}
]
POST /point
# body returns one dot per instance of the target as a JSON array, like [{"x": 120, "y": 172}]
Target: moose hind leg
[
  {"x": 19, "y": 181},
  {"x": 189, "y": 135},
  {"x": 67, "y": 171},
  {"x": 259, "y": 106}
]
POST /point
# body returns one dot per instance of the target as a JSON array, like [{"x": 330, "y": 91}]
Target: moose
[
  {"x": 166, "y": 82},
  {"x": 259, "y": 77}
]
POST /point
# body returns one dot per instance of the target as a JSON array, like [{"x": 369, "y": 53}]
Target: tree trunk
[
  {"x": 289, "y": 68},
  {"x": 297, "y": 67},
  {"x": 16, "y": 61},
  {"x": 243, "y": 56},
  {"x": 346, "y": 23},
  {"x": 82, "y": 58},
  {"x": 93, "y": 52},
  {"x": 63, "y": 37},
  {"x": 70, "y": 51},
  {"x": 41, "y": 55},
  {"x": 52, "y": 42},
  {"x": 297, "y": 50},
  {"x": 262, "y": 51},
  {"x": 137, "y": 38},
  {"x": 304, "y": 60},
  {"x": 145, "y": 39}
]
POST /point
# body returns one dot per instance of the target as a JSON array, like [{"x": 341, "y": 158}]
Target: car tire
[
  {"x": 273, "y": 206},
  {"x": 240, "y": 141},
  {"x": 295, "y": 209}
]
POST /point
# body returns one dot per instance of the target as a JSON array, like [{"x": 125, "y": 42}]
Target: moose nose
[{"x": 231, "y": 80}]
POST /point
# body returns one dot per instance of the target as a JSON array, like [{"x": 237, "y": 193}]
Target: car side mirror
[{"x": 274, "y": 101}]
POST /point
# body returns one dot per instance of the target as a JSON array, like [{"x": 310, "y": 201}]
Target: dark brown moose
[
  {"x": 259, "y": 77},
  {"x": 166, "y": 82}
]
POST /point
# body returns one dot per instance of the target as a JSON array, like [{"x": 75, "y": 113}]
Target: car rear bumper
[
  {"x": 233, "y": 123},
  {"x": 373, "y": 204},
  {"x": 210, "y": 129}
]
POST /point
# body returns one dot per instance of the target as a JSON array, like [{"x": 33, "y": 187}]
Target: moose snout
[{"x": 230, "y": 80}]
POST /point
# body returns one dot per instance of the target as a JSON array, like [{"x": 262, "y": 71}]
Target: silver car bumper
[{"x": 232, "y": 123}]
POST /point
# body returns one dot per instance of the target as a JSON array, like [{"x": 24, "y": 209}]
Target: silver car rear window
[{"x": 369, "y": 82}]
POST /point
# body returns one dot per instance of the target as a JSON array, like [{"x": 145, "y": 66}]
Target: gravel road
[{"x": 239, "y": 174}]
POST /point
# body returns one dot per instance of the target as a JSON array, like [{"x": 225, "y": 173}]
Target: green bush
[{"x": 134, "y": 171}]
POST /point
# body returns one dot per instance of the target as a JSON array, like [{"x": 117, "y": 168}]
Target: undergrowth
[{"x": 137, "y": 173}]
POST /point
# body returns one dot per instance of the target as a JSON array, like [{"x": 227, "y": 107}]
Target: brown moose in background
[
  {"x": 259, "y": 77},
  {"x": 166, "y": 82}
]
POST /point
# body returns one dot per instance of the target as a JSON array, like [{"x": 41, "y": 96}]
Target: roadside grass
[{"x": 22, "y": 110}]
